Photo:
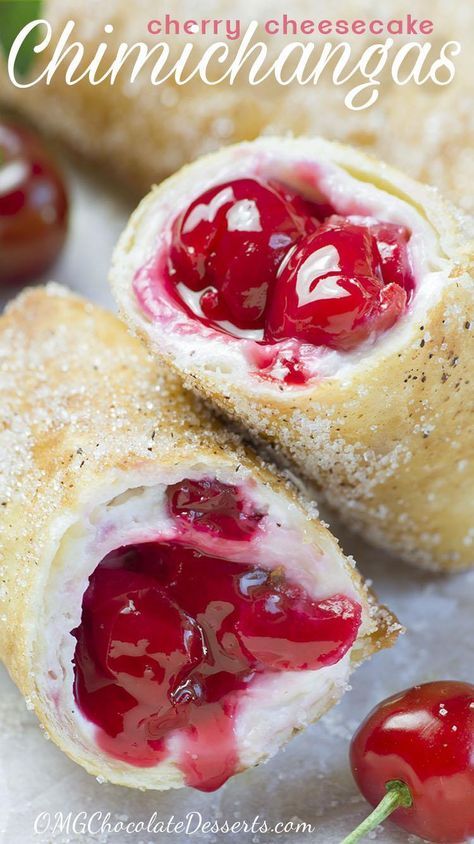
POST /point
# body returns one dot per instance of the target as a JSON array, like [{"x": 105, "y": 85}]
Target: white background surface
[{"x": 311, "y": 779}]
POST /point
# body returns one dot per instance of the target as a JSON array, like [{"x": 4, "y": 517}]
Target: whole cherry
[
  {"x": 33, "y": 206},
  {"x": 256, "y": 256},
  {"x": 230, "y": 242},
  {"x": 331, "y": 292},
  {"x": 414, "y": 756}
]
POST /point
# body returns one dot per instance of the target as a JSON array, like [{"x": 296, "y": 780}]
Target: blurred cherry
[{"x": 33, "y": 206}]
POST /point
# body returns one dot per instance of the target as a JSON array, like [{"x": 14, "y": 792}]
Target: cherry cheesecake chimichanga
[
  {"x": 326, "y": 301},
  {"x": 171, "y": 608}
]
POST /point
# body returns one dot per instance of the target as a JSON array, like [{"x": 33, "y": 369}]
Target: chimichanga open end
[
  {"x": 326, "y": 301},
  {"x": 170, "y": 607}
]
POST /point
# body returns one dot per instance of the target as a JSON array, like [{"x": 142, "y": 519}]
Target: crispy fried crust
[
  {"x": 143, "y": 133},
  {"x": 81, "y": 403},
  {"x": 390, "y": 446}
]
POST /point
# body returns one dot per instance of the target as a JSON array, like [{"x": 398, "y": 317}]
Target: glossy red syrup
[
  {"x": 257, "y": 256},
  {"x": 170, "y": 638},
  {"x": 211, "y": 506}
]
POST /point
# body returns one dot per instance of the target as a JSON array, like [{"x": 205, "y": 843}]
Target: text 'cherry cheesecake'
[
  {"x": 326, "y": 301},
  {"x": 171, "y": 608}
]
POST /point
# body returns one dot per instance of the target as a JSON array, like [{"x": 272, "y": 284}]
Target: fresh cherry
[
  {"x": 415, "y": 753},
  {"x": 33, "y": 206},
  {"x": 229, "y": 244},
  {"x": 331, "y": 290}
]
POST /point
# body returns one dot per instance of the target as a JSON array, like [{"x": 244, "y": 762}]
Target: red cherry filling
[
  {"x": 264, "y": 622},
  {"x": 230, "y": 243},
  {"x": 331, "y": 290},
  {"x": 217, "y": 508},
  {"x": 264, "y": 258},
  {"x": 391, "y": 243},
  {"x": 168, "y": 638}
]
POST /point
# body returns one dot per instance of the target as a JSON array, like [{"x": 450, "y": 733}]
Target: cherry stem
[{"x": 398, "y": 794}]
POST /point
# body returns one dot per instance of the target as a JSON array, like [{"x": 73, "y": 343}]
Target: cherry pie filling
[
  {"x": 171, "y": 636},
  {"x": 256, "y": 260}
]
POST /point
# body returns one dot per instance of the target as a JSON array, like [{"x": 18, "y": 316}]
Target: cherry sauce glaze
[
  {"x": 254, "y": 259},
  {"x": 171, "y": 636}
]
